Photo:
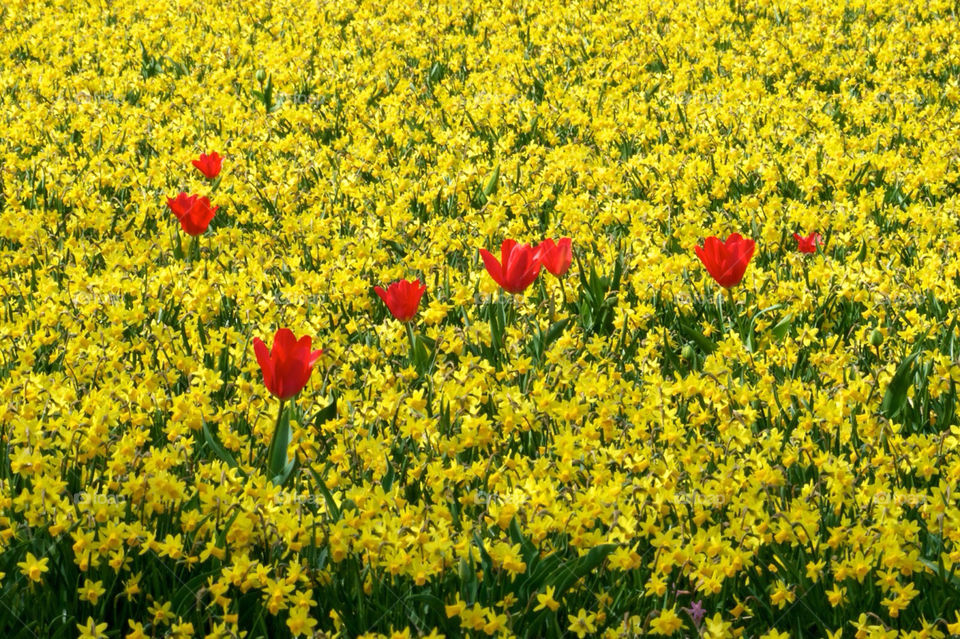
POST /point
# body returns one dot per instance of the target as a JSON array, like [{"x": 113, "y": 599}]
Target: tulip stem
[
  {"x": 194, "y": 248},
  {"x": 732, "y": 313},
  {"x": 413, "y": 345},
  {"x": 548, "y": 294},
  {"x": 276, "y": 429}
]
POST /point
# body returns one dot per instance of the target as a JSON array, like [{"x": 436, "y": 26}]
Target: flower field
[{"x": 591, "y": 319}]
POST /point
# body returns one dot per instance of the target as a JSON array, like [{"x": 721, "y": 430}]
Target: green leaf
[
  {"x": 277, "y": 453},
  {"x": 225, "y": 528},
  {"x": 326, "y": 413},
  {"x": 433, "y": 602},
  {"x": 516, "y": 535},
  {"x": 185, "y": 598},
  {"x": 388, "y": 477},
  {"x": 895, "y": 399},
  {"x": 281, "y": 478},
  {"x": 468, "y": 577},
  {"x": 201, "y": 333},
  {"x": 485, "y": 561},
  {"x": 782, "y": 328},
  {"x": 554, "y": 332},
  {"x": 753, "y": 320},
  {"x": 397, "y": 248},
  {"x": 215, "y": 445},
  {"x": 563, "y": 575},
  {"x": 491, "y": 186},
  {"x": 568, "y": 574},
  {"x": 332, "y": 507},
  {"x": 705, "y": 345}
]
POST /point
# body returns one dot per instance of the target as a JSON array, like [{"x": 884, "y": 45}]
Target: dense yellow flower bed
[{"x": 621, "y": 450}]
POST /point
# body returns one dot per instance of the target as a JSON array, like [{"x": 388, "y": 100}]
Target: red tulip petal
[
  {"x": 266, "y": 366},
  {"x": 506, "y": 251},
  {"x": 283, "y": 341},
  {"x": 493, "y": 266}
]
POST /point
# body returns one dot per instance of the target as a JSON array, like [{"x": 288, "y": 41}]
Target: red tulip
[
  {"x": 807, "y": 244},
  {"x": 726, "y": 261},
  {"x": 287, "y": 366},
  {"x": 518, "y": 268},
  {"x": 193, "y": 212},
  {"x": 556, "y": 258},
  {"x": 209, "y": 165},
  {"x": 402, "y": 298},
  {"x": 182, "y": 204}
]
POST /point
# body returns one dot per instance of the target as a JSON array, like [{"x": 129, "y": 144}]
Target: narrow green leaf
[
  {"x": 215, "y": 445},
  {"x": 326, "y": 413},
  {"x": 332, "y": 507},
  {"x": 554, "y": 332},
  {"x": 782, "y": 328},
  {"x": 388, "y": 477},
  {"x": 277, "y": 458},
  {"x": 705, "y": 345},
  {"x": 281, "y": 478},
  {"x": 516, "y": 535},
  {"x": 895, "y": 399},
  {"x": 491, "y": 186},
  {"x": 568, "y": 574}
]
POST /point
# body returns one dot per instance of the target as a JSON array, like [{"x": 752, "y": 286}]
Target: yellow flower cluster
[{"x": 620, "y": 451}]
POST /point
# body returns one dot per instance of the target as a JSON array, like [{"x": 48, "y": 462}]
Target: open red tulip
[
  {"x": 193, "y": 212},
  {"x": 181, "y": 204},
  {"x": 726, "y": 261},
  {"x": 287, "y": 366},
  {"x": 209, "y": 165},
  {"x": 518, "y": 267},
  {"x": 807, "y": 244},
  {"x": 402, "y": 298},
  {"x": 556, "y": 257}
]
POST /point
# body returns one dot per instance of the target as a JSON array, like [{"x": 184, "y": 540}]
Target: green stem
[
  {"x": 723, "y": 323},
  {"x": 195, "y": 248},
  {"x": 276, "y": 429},
  {"x": 553, "y": 310},
  {"x": 733, "y": 309},
  {"x": 413, "y": 345}
]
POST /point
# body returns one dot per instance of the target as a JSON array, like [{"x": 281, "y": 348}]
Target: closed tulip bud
[
  {"x": 876, "y": 338},
  {"x": 687, "y": 352},
  {"x": 261, "y": 75}
]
